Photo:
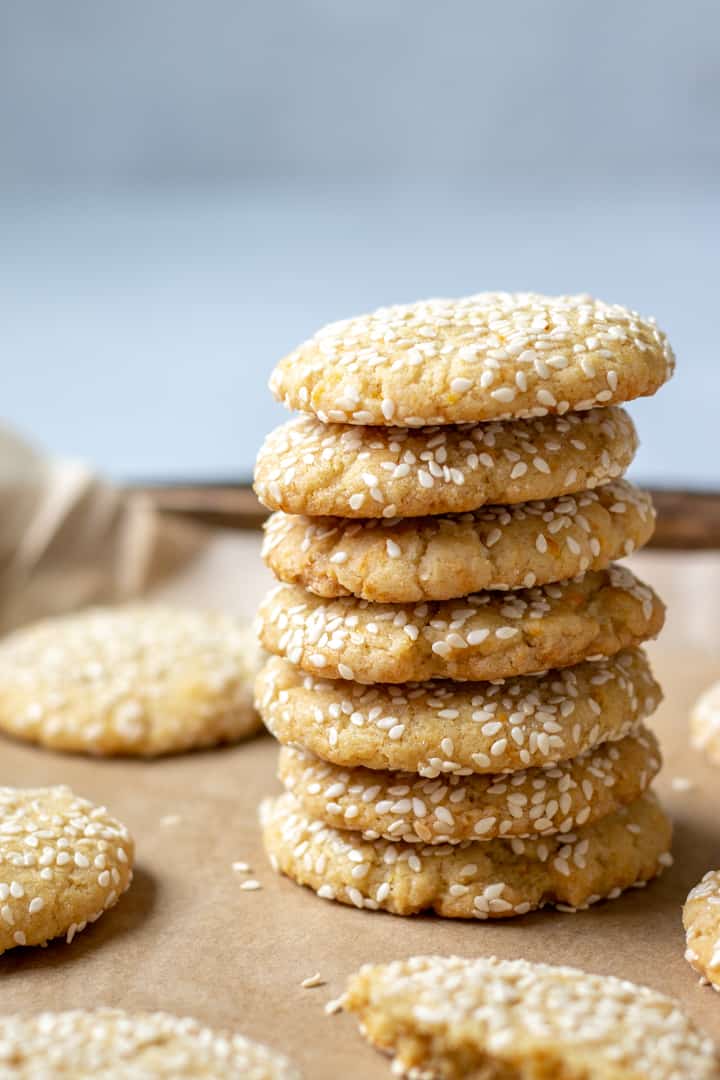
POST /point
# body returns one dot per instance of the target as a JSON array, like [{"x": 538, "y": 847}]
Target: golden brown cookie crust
[
  {"x": 454, "y": 1017},
  {"x": 449, "y": 728},
  {"x": 82, "y": 865},
  {"x": 132, "y": 680},
  {"x": 116, "y": 1045},
  {"x": 476, "y": 879},
  {"x": 479, "y": 637},
  {"x": 307, "y": 467},
  {"x": 493, "y": 356},
  {"x": 438, "y": 558},
  {"x": 701, "y": 919},
  {"x": 534, "y": 802}
]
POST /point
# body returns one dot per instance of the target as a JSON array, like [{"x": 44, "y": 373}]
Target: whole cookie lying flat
[
  {"x": 534, "y": 802},
  {"x": 482, "y": 636},
  {"x": 450, "y": 728},
  {"x": 118, "y": 1045},
  {"x": 452, "y": 1017},
  {"x": 438, "y": 558},
  {"x": 63, "y": 862},
  {"x": 701, "y": 919},
  {"x": 306, "y": 467},
  {"x": 134, "y": 680},
  {"x": 486, "y": 357},
  {"x": 705, "y": 724},
  {"x": 478, "y": 879}
]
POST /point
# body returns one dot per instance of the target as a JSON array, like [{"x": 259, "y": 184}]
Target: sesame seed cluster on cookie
[
  {"x": 136, "y": 680},
  {"x": 456, "y": 675},
  {"x": 118, "y": 1045},
  {"x": 701, "y": 919},
  {"x": 63, "y": 863},
  {"x": 453, "y": 1017}
]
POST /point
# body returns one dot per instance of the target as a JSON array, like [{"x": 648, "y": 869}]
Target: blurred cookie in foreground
[
  {"x": 492, "y": 356},
  {"x": 705, "y": 724},
  {"x": 116, "y": 1044},
  {"x": 136, "y": 680},
  {"x": 63, "y": 862},
  {"x": 477, "y": 879},
  {"x": 306, "y": 467},
  {"x": 701, "y": 919},
  {"x": 447, "y": 1017}
]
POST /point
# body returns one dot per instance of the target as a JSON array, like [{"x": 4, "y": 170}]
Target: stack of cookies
[{"x": 457, "y": 678}]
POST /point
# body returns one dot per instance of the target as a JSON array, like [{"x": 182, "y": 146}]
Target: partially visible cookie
[
  {"x": 479, "y": 637},
  {"x": 447, "y": 810},
  {"x": 307, "y": 467},
  {"x": 63, "y": 862},
  {"x": 129, "y": 680},
  {"x": 478, "y": 879},
  {"x": 118, "y": 1045},
  {"x": 451, "y": 1017},
  {"x": 701, "y": 919},
  {"x": 448, "y": 728},
  {"x": 705, "y": 724},
  {"x": 485, "y": 357},
  {"x": 438, "y": 558}
]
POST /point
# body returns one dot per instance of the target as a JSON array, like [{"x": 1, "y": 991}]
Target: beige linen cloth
[{"x": 68, "y": 538}]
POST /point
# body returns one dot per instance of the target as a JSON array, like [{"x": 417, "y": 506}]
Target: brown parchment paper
[{"x": 186, "y": 938}]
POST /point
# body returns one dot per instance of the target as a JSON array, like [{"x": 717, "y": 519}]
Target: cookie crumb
[{"x": 312, "y": 981}]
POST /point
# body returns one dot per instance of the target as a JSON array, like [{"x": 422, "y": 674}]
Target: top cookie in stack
[{"x": 457, "y": 450}]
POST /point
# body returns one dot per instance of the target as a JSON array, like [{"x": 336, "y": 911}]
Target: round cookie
[
  {"x": 701, "y": 919},
  {"x": 133, "y": 680},
  {"x": 534, "y": 802},
  {"x": 492, "y": 356},
  {"x": 478, "y": 637},
  {"x": 705, "y": 724},
  {"x": 118, "y": 1045},
  {"x": 63, "y": 862},
  {"x": 438, "y": 558},
  {"x": 476, "y": 879},
  {"x": 307, "y": 467},
  {"x": 449, "y": 728},
  {"x": 454, "y": 1017}
]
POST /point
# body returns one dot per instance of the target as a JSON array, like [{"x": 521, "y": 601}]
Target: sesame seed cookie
[
  {"x": 134, "y": 680},
  {"x": 450, "y": 1017},
  {"x": 306, "y": 467},
  {"x": 705, "y": 724},
  {"x": 482, "y": 636},
  {"x": 701, "y": 919},
  {"x": 476, "y": 879},
  {"x": 449, "y": 728},
  {"x": 438, "y": 558},
  {"x": 118, "y": 1045},
  {"x": 492, "y": 356},
  {"x": 534, "y": 802},
  {"x": 63, "y": 862}
]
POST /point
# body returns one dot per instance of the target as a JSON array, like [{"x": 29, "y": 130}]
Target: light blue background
[{"x": 189, "y": 189}]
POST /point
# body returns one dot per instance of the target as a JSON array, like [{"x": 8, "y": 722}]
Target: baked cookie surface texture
[{"x": 448, "y": 1017}]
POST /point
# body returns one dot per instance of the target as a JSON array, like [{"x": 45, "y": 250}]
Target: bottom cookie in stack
[
  {"x": 472, "y": 799},
  {"x": 476, "y": 878}
]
